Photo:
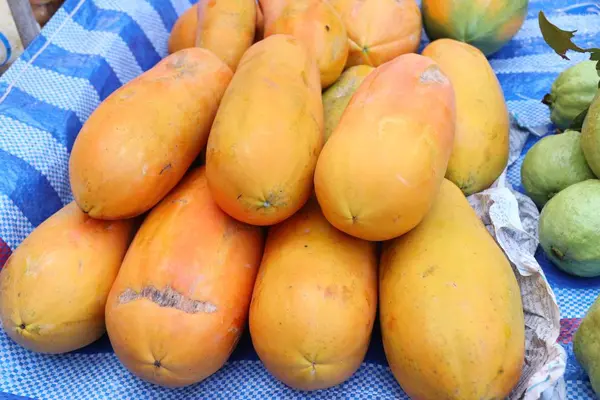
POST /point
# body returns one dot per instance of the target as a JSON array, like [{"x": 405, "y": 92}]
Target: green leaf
[
  {"x": 559, "y": 40},
  {"x": 577, "y": 123}
]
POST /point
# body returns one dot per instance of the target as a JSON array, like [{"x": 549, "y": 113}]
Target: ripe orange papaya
[
  {"x": 379, "y": 30},
  {"x": 227, "y": 28},
  {"x": 314, "y": 302},
  {"x": 141, "y": 139},
  {"x": 382, "y": 167},
  {"x": 268, "y": 132},
  {"x": 450, "y": 307},
  {"x": 317, "y": 25},
  {"x": 53, "y": 288},
  {"x": 481, "y": 140},
  {"x": 180, "y": 301},
  {"x": 183, "y": 34}
]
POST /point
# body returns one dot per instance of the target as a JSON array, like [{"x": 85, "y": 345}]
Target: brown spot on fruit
[
  {"x": 165, "y": 168},
  {"x": 168, "y": 298},
  {"x": 429, "y": 271}
]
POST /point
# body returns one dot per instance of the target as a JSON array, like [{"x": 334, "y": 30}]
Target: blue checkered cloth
[{"x": 89, "y": 49}]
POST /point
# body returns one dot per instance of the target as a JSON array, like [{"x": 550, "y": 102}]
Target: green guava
[
  {"x": 572, "y": 93},
  {"x": 570, "y": 229},
  {"x": 553, "y": 164},
  {"x": 590, "y": 135},
  {"x": 586, "y": 345}
]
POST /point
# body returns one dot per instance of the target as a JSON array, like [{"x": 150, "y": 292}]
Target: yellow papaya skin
[
  {"x": 314, "y": 301},
  {"x": 481, "y": 140},
  {"x": 338, "y": 95},
  {"x": 227, "y": 28},
  {"x": 268, "y": 133},
  {"x": 317, "y": 25},
  {"x": 139, "y": 142},
  {"x": 450, "y": 307},
  {"x": 54, "y": 286}
]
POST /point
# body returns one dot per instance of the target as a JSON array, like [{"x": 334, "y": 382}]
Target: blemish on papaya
[
  {"x": 429, "y": 271},
  {"x": 433, "y": 74},
  {"x": 165, "y": 168},
  {"x": 168, "y": 298},
  {"x": 330, "y": 292},
  {"x": 327, "y": 28}
]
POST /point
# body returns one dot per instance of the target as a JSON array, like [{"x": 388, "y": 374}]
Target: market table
[{"x": 89, "y": 49}]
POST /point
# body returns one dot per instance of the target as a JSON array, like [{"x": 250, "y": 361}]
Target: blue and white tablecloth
[{"x": 90, "y": 48}]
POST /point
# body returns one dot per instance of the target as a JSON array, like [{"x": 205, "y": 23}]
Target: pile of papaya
[{"x": 294, "y": 168}]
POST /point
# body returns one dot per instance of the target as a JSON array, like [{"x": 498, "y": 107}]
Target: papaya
[
  {"x": 481, "y": 139},
  {"x": 268, "y": 133},
  {"x": 180, "y": 301},
  {"x": 451, "y": 314},
  {"x": 590, "y": 135},
  {"x": 227, "y": 28},
  {"x": 314, "y": 301},
  {"x": 572, "y": 93},
  {"x": 317, "y": 25},
  {"x": 54, "y": 286},
  {"x": 139, "y": 142},
  {"x": 337, "y": 97},
  {"x": 379, "y": 30},
  {"x": 485, "y": 24},
  {"x": 183, "y": 34},
  {"x": 382, "y": 167}
]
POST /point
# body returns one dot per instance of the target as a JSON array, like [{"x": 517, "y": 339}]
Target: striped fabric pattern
[{"x": 92, "y": 47}]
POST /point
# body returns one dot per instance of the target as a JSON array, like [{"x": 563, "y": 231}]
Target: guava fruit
[
  {"x": 572, "y": 93},
  {"x": 590, "y": 136},
  {"x": 586, "y": 345},
  {"x": 570, "y": 229},
  {"x": 553, "y": 164}
]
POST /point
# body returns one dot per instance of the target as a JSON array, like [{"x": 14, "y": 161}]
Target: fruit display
[
  {"x": 572, "y": 93},
  {"x": 429, "y": 271},
  {"x": 552, "y": 164},
  {"x": 481, "y": 140},
  {"x": 487, "y": 25},
  {"x": 302, "y": 173}
]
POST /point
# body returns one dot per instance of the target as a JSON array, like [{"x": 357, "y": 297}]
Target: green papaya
[
  {"x": 586, "y": 345},
  {"x": 554, "y": 163},
  {"x": 338, "y": 95},
  {"x": 590, "y": 135},
  {"x": 572, "y": 93},
  {"x": 485, "y": 24},
  {"x": 569, "y": 229}
]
